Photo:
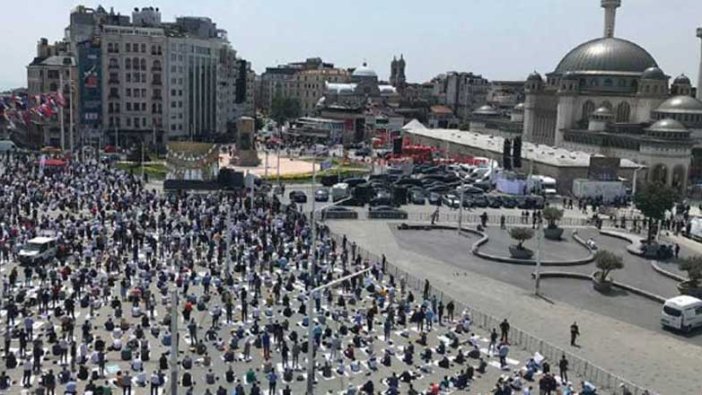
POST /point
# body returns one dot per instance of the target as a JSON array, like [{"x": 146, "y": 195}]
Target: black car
[
  {"x": 494, "y": 201},
  {"x": 355, "y": 181},
  {"x": 387, "y": 212},
  {"x": 435, "y": 198},
  {"x": 480, "y": 201},
  {"x": 381, "y": 201},
  {"x": 298, "y": 197},
  {"x": 417, "y": 197},
  {"x": 508, "y": 202},
  {"x": 339, "y": 212},
  {"x": 321, "y": 195}
]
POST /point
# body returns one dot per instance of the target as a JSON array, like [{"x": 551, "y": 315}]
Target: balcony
[
  {"x": 156, "y": 82},
  {"x": 157, "y": 97}
]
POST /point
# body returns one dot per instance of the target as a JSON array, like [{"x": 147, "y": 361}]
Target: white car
[{"x": 38, "y": 250}]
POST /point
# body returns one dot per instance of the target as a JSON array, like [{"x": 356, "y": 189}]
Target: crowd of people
[{"x": 97, "y": 317}]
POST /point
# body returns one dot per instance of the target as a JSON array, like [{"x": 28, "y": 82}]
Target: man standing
[
  {"x": 504, "y": 328},
  {"x": 563, "y": 367},
  {"x": 574, "y": 333}
]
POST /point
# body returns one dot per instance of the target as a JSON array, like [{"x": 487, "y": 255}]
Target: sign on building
[
  {"x": 603, "y": 168},
  {"x": 90, "y": 82}
]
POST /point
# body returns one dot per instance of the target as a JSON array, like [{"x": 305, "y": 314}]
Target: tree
[
  {"x": 507, "y": 155},
  {"x": 284, "y": 108},
  {"x": 552, "y": 215},
  {"x": 653, "y": 201},
  {"x": 521, "y": 235},
  {"x": 607, "y": 262},
  {"x": 693, "y": 267},
  {"x": 517, "y": 152}
]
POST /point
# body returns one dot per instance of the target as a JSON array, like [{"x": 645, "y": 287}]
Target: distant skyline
[{"x": 500, "y": 39}]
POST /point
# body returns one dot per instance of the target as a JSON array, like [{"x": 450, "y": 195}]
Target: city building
[
  {"x": 144, "y": 80},
  {"x": 608, "y": 96},
  {"x": 52, "y": 70},
  {"x": 505, "y": 94},
  {"x": 303, "y": 81},
  {"x": 461, "y": 92}
]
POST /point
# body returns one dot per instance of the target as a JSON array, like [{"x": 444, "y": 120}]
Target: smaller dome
[
  {"x": 681, "y": 80},
  {"x": 535, "y": 77},
  {"x": 364, "y": 71},
  {"x": 681, "y": 104},
  {"x": 519, "y": 107},
  {"x": 653, "y": 73},
  {"x": 603, "y": 112},
  {"x": 667, "y": 125},
  {"x": 485, "y": 110}
]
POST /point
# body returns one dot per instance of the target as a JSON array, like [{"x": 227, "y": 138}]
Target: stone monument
[{"x": 245, "y": 145}]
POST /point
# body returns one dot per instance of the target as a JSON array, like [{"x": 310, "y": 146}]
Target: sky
[{"x": 500, "y": 39}]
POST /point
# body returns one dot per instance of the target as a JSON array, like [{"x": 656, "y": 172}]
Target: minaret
[
  {"x": 610, "y": 7},
  {"x": 699, "y": 76}
]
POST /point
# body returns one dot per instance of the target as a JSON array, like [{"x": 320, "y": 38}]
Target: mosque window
[
  {"x": 593, "y": 82},
  {"x": 623, "y": 112},
  {"x": 588, "y": 108},
  {"x": 608, "y": 82}
]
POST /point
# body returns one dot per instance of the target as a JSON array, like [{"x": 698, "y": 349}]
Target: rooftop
[{"x": 539, "y": 153}]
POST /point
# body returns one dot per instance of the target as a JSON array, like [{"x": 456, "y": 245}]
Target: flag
[
  {"x": 60, "y": 100},
  {"x": 327, "y": 164}
]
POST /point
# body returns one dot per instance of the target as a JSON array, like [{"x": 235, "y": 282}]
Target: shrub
[
  {"x": 693, "y": 267},
  {"x": 552, "y": 215},
  {"x": 521, "y": 235},
  {"x": 607, "y": 262}
]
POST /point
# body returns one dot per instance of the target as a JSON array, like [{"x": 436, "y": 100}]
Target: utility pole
[
  {"x": 142, "y": 157},
  {"x": 70, "y": 102},
  {"x": 460, "y": 208},
  {"x": 310, "y": 301}
]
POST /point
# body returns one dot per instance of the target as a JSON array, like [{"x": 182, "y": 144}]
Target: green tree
[
  {"x": 552, "y": 215},
  {"x": 607, "y": 262},
  {"x": 693, "y": 267},
  {"x": 284, "y": 108},
  {"x": 521, "y": 235},
  {"x": 653, "y": 201}
]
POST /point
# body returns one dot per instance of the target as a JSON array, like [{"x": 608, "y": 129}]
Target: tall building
[
  {"x": 53, "y": 70},
  {"x": 303, "y": 81},
  {"x": 461, "y": 92},
  {"x": 142, "y": 79},
  {"x": 608, "y": 96}
]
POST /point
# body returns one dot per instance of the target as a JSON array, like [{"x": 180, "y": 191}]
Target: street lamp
[
  {"x": 539, "y": 242},
  {"x": 310, "y": 329}
]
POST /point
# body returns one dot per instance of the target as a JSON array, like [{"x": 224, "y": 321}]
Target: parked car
[
  {"x": 434, "y": 199},
  {"x": 494, "y": 201},
  {"x": 354, "y": 181},
  {"x": 321, "y": 195},
  {"x": 480, "y": 201},
  {"x": 508, "y": 202},
  {"x": 298, "y": 197},
  {"x": 381, "y": 201},
  {"x": 339, "y": 212},
  {"x": 387, "y": 212},
  {"x": 417, "y": 197},
  {"x": 451, "y": 200}
]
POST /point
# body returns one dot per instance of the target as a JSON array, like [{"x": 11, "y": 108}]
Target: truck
[
  {"x": 340, "y": 191},
  {"x": 608, "y": 190},
  {"x": 542, "y": 185}
]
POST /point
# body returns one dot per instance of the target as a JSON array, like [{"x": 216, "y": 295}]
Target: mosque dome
[
  {"x": 364, "y": 71},
  {"x": 653, "y": 73},
  {"x": 682, "y": 79},
  {"x": 535, "y": 77},
  {"x": 668, "y": 125},
  {"x": 681, "y": 104},
  {"x": 607, "y": 55},
  {"x": 485, "y": 110}
]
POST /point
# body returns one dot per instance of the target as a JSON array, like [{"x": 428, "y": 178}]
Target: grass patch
[
  {"x": 345, "y": 172},
  {"x": 153, "y": 169}
]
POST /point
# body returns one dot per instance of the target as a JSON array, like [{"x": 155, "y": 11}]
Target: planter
[
  {"x": 685, "y": 288},
  {"x": 601, "y": 286},
  {"x": 553, "y": 233},
  {"x": 520, "y": 253}
]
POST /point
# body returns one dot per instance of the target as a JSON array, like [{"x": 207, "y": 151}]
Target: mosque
[{"x": 608, "y": 96}]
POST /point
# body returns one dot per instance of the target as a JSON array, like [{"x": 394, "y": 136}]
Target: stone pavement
[{"x": 661, "y": 363}]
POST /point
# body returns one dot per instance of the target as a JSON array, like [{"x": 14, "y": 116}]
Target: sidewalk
[{"x": 644, "y": 357}]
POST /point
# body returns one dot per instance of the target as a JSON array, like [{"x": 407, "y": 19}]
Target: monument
[{"x": 245, "y": 145}]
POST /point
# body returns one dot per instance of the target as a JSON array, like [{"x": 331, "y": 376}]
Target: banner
[{"x": 90, "y": 83}]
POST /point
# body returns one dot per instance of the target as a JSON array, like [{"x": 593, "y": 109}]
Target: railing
[
  {"x": 604, "y": 379},
  {"x": 475, "y": 218}
]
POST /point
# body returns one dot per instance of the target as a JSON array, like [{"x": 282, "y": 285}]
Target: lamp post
[
  {"x": 310, "y": 328},
  {"x": 539, "y": 241},
  {"x": 460, "y": 208},
  {"x": 174, "y": 342}
]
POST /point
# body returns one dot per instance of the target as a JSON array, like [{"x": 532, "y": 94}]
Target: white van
[
  {"x": 38, "y": 250},
  {"x": 682, "y": 312}
]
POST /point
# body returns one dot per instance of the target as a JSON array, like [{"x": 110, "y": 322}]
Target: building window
[
  {"x": 129, "y": 106},
  {"x": 143, "y": 64},
  {"x": 128, "y": 47},
  {"x": 588, "y": 108},
  {"x": 128, "y": 92},
  {"x": 127, "y": 63},
  {"x": 129, "y": 122},
  {"x": 136, "y": 122},
  {"x": 143, "y": 48},
  {"x": 623, "y": 112},
  {"x": 128, "y": 77}
]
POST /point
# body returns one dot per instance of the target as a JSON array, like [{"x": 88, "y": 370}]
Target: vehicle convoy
[{"x": 38, "y": 250}]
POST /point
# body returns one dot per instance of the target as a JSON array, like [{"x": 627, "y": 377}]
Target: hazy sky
[{"x": 501, "y": 39}]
